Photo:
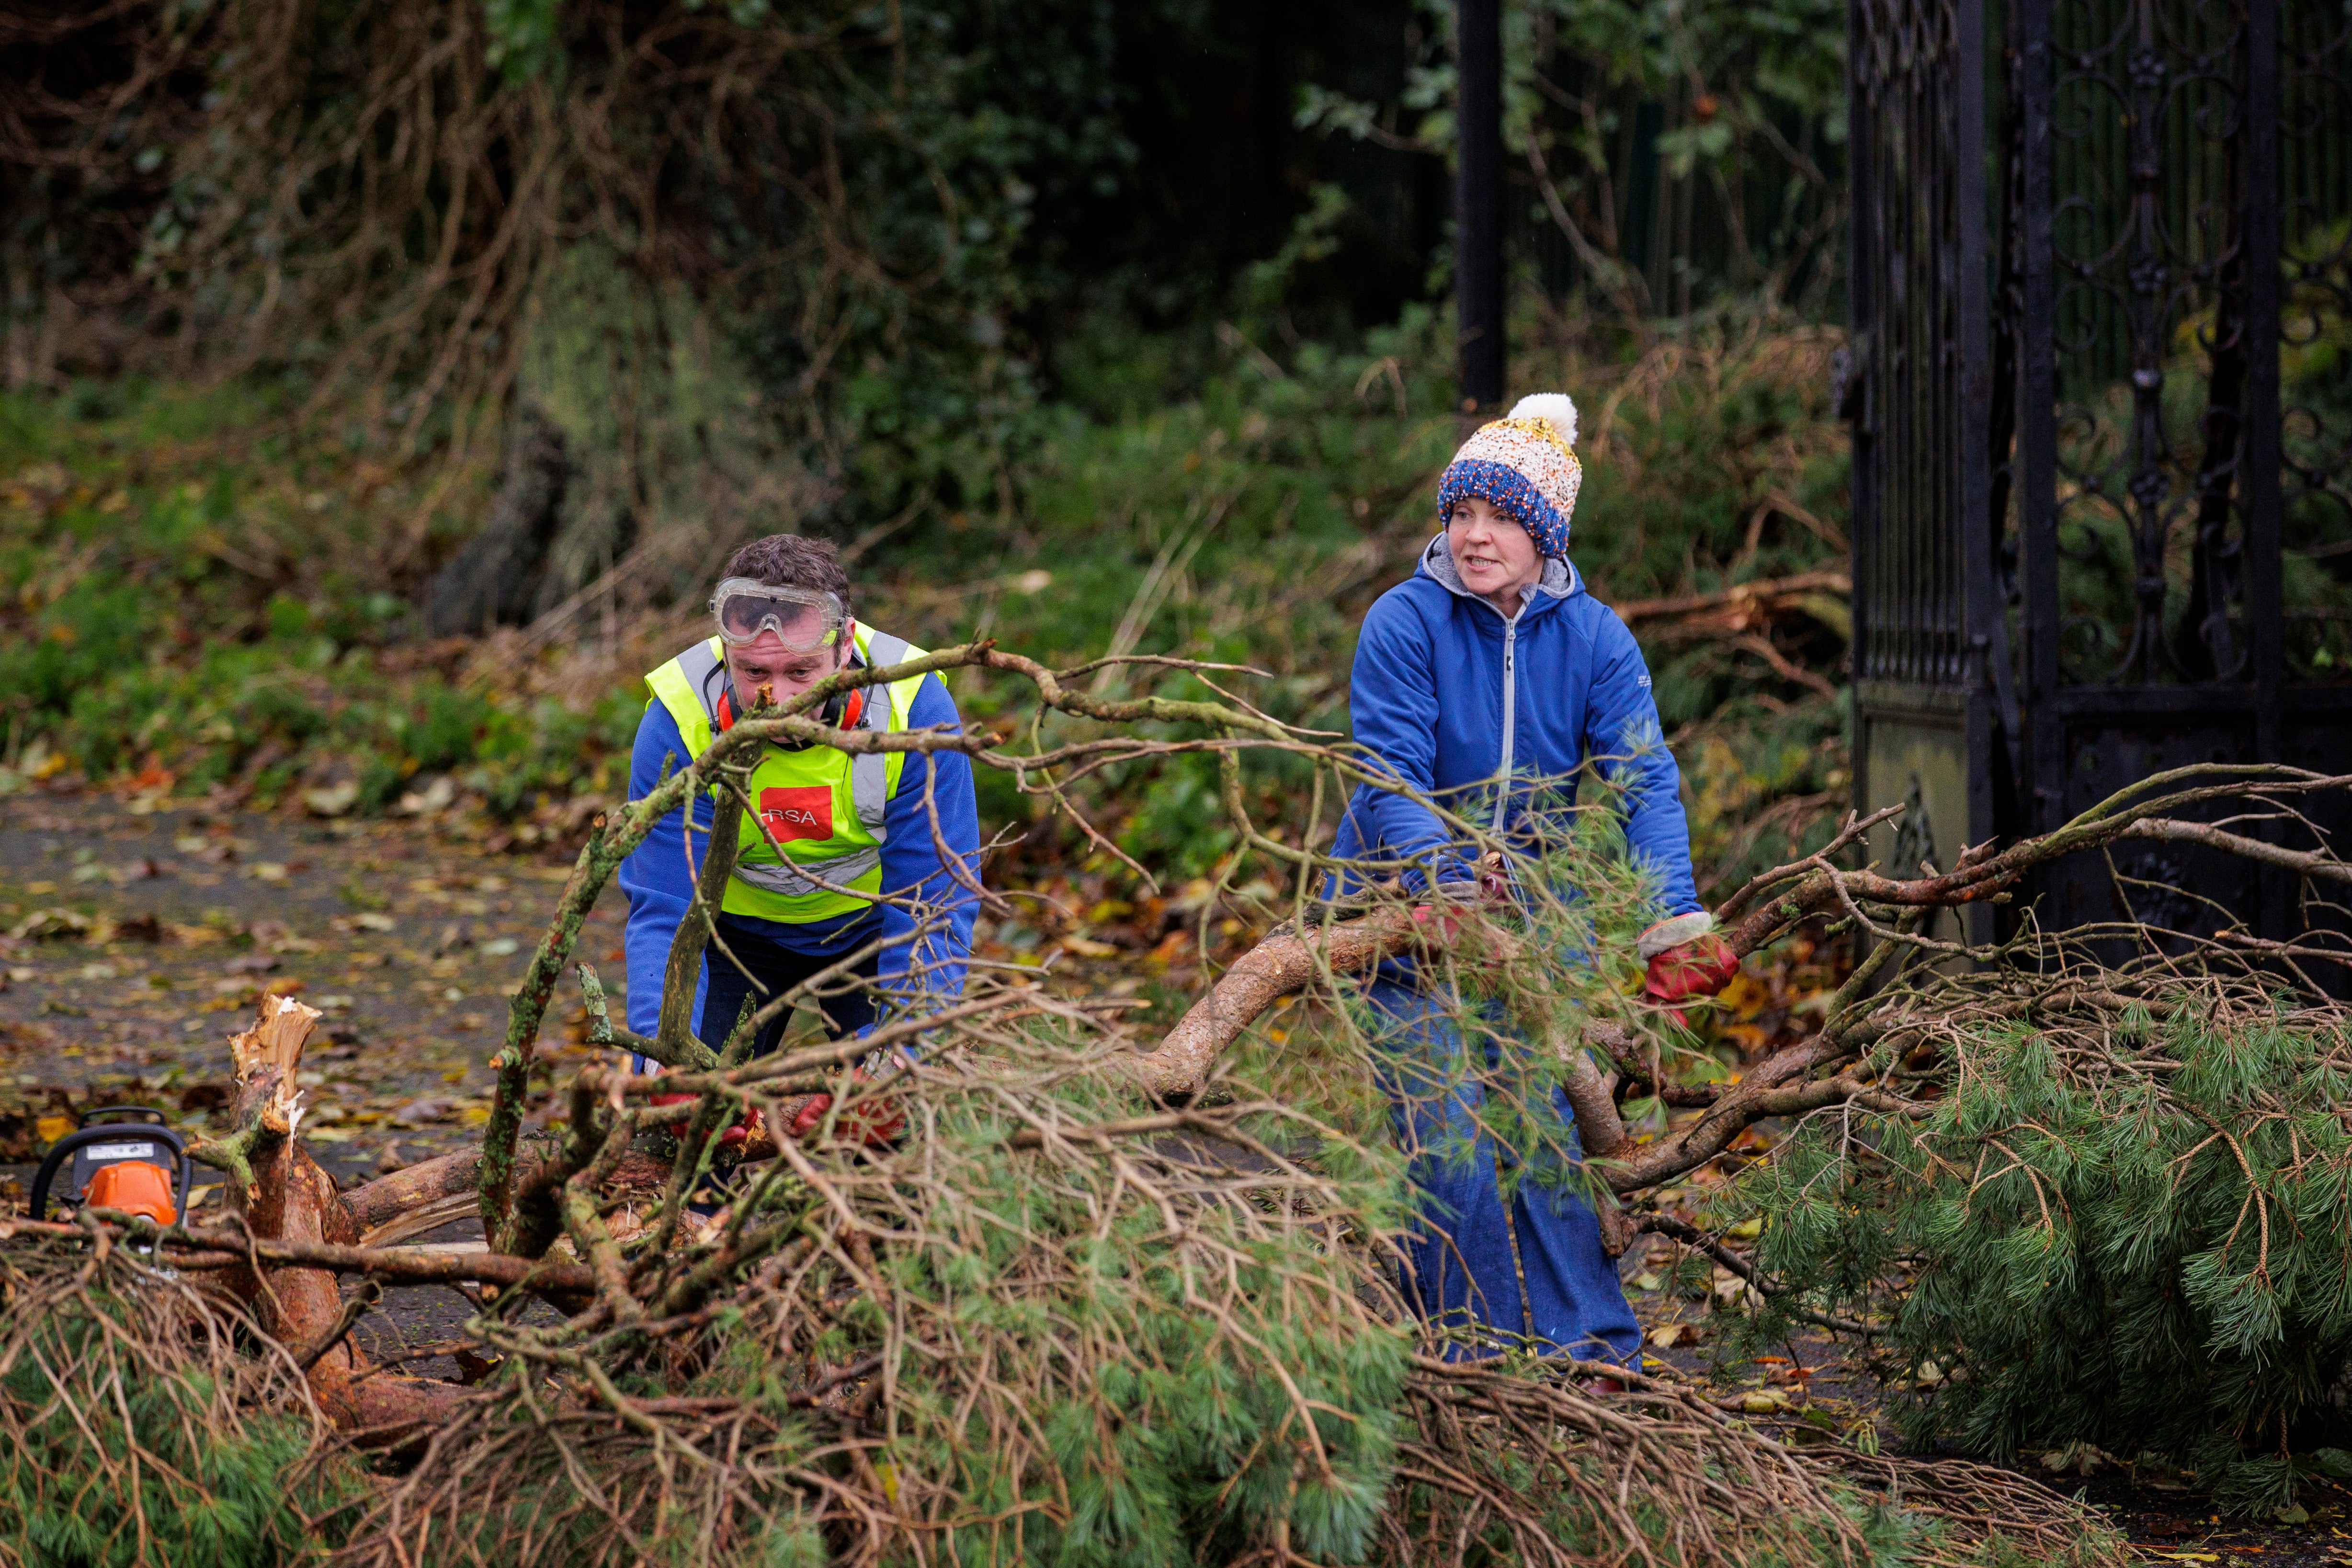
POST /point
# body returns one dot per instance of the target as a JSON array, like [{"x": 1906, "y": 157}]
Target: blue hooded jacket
[{"x": 1451, "y": 697}]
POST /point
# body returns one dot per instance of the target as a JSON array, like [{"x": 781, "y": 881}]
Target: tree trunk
[{"x": 493, "y": 580}]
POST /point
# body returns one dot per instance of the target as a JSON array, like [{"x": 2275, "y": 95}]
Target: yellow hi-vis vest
[{"x": 824, "y": 806}]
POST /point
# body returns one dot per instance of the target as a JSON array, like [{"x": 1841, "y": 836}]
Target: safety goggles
[{"x": 804, "y": 619}]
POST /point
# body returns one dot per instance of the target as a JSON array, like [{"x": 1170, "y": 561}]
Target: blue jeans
[
  {"x": 1461, "y": 1262},
  {"x": 779, "y": 969}
]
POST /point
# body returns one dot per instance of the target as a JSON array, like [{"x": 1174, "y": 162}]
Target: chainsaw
[{"x": 133, "y": 1167}]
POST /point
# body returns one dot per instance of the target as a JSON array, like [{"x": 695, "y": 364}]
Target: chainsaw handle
[{"x": 148, "y": 1111}]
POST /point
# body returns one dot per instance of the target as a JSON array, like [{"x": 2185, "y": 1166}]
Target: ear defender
[{"x": 842, "y": 711}]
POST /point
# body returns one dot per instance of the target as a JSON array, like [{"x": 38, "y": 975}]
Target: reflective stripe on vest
[
  {"x": 869, "y": 772},
  {"x": 773, "y": 886}
]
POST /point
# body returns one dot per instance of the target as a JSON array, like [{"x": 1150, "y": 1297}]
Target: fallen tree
[
  {"x": 1097, "y": 1301},
  {"x": 2108, "y": 1214}
]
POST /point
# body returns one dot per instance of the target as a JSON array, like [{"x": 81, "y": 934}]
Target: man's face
[{"x": 766, "y": 662}]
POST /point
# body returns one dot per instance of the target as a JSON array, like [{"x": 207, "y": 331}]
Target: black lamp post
[{"x": 1479, "y": 202}]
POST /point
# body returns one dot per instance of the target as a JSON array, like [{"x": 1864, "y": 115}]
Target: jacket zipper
[{"x": 1510, "y": 715}]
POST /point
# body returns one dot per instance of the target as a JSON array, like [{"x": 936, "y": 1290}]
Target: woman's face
[{"x": 1495, "y": 557}]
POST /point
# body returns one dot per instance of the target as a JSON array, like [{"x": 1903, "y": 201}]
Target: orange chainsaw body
[{"x": 132, "y": 1186}]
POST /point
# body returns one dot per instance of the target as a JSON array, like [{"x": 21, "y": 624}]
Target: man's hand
[
  {"x": 745, "y": 1126},
  {"x": 875, "y": 1125}
]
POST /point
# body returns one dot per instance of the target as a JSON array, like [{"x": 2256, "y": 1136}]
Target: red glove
[
  {"x": 1699, "y": 967},
  {"x": 1490, "y": 889},
  {"x": 875, "y": 1125},
  {"x": 743, "y": 1128}
]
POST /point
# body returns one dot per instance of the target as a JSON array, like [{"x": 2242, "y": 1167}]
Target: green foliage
[
  {"x": 2135, "y": 1233},
  {"x": 1256, "y": 522},
  {"x": 1749, "y": 101},
  {"x": 136, "y": 1434},
  {"x": 523, "y": 36},
  {"x": 1036, "y": 1343},
  {"x": 1165, "y": 1424},
  {"x": 165, "y": 594}
]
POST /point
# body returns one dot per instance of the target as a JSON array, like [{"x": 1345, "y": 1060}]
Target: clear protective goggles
[{"x": 806, "y": 618}]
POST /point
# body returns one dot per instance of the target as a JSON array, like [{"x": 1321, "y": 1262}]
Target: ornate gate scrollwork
[{"x": 2102, "y": 402}]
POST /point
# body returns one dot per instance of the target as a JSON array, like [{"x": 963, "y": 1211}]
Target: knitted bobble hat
[{"x": 1525, "y": 465}]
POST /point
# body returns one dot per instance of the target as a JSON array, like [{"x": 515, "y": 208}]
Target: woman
[{"x": 1492, "y": 666}]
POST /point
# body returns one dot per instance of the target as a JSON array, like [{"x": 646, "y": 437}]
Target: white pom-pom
[{"x": 1554, "y": 408}]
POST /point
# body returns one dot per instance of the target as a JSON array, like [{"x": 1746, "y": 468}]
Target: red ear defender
[{"x": 726, "y": 713}]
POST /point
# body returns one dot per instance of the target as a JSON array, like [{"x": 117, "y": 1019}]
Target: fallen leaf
[
  {"x": 435, "y": 797},
  {"x": 333, "y": 800},
  {"x": 139, "y": 928},
  {"x": 250, "y": 963},
  {"x": 49, "y": 924},
  {"x": 49, "y": 1129}
]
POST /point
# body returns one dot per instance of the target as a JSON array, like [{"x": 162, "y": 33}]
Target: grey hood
[{"x": 1560, "y": 577}]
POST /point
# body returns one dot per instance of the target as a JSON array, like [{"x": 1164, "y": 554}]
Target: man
[
  {"x": 1492, "y": 664},
  {"x": 845, "y": 848}
]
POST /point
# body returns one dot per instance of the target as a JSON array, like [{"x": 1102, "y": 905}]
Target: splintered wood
[{"x": 267, "y": 1058}]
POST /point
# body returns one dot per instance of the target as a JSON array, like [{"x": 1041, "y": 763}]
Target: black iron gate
[{"x": 2101, "y": 388}]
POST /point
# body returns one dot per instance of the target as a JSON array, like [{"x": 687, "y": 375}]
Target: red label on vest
[{"x": 804, "y": 811}]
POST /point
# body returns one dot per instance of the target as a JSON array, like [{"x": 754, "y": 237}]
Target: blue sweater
[
  {"x": 654, "y": 876},
  {"x": 1427, "y": 700}
]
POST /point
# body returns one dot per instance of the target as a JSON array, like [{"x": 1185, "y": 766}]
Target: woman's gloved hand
[
  {"x": 1686, "y": 959},
  {"x": 1699, "y": 968},
  {"x": 1486, "y": 886}
]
